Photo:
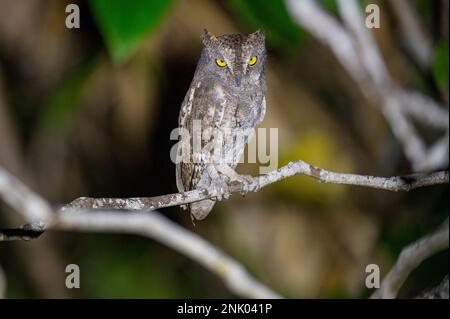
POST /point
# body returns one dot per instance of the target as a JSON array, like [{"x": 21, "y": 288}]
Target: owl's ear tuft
[
  {"x": 258, "y": 36},
  {"x": 208, "y": 37}
]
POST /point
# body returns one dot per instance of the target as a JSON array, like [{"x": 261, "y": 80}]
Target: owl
[{"x": 224, "y": 103}]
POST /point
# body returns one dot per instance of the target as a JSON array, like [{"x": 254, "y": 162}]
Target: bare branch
[
  {"x": 9, "y": 187},
  {"x": 160, "y": 228},
  {"x": 397, "y": 103},
  {"x": 413, "y": 146},
  {"x": 367, "y": 47},
  {"x": 149, "y": 224},
  {"x": 330, "y": 32},
  {"x": 396, "y": 183},
  {"x": 424, "y": 108},
  {"x": 76, "y": 217},
  {"x": 416, "y": 40},
  {"x": 399, "y": 107},
  {"x": 410, "y": 258},
  {"x": 33, "y": 208},
  {"x": 441, "y": 291},
  {"x": 356, "y": 49}
]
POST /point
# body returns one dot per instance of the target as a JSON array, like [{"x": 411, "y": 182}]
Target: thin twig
[
  {"x": 34, "y": 207},
  {"x": 414, "y": 36},
  {"x": 411, "y": 257},
  {"x": 328, "y": 30},
  {"x": 367, "y": 48},
  {"x": 396, "y": 183},
  {"x": 17, "y": 195}
]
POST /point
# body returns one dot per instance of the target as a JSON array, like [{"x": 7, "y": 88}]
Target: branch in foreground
[
  {"x": 156, "y": 226},
  {"x": 396, "y": 183},
  {"x": 149, "y": 224},
  {"x": 17, "y": 195},
  {"x": 410, "y": 258}
]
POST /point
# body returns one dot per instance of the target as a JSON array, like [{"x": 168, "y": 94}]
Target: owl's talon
[
  {"x": 220, "y": 188},
  {"x": 226, "y": 195},
  {"x": 246, "y": 182}
]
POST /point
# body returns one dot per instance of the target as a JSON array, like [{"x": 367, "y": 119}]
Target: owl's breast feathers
[{"x": 214, "y": 106}]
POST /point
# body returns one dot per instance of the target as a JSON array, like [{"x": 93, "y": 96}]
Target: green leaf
[
  {"x": 124, "y": 24},
  {"x": 273, "y": 17},
  {"x": 440, "y": 65}
]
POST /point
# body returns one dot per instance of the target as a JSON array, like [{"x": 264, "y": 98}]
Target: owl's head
[{"x": 235, "y": 58}]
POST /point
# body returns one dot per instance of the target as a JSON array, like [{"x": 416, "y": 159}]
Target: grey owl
[{"x": 227, "y": 94}]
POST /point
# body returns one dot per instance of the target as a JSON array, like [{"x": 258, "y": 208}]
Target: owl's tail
[{"x": 199, "y": 210}]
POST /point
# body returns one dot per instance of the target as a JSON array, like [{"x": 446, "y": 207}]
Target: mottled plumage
[{"x": 227, "y": 92}]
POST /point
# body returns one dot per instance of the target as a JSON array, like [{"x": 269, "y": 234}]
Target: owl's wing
[
  {"x": 205, "y": 102},
  {"x": 182, "y": 169},
  {"x": 262, "y": 112}
]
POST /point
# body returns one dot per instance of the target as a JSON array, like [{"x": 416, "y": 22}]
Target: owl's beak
[{"x": 238, "y": 79}]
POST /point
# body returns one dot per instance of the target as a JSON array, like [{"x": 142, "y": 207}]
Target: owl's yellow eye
[
  {"x": 221, "y": 63},
  {"x": 253, "y": 60}
]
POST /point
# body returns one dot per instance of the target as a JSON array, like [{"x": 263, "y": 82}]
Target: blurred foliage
[
  {"x": 126, "y": 271},
  {"x": 330, "y": 5},
  {"x": 64, "y": 104},
  {"x": 273, "y": 17},
  {"x": 125, "y": 24},
  {"x": 440, "y": 65},
  {"x": 320, "y": 149}
]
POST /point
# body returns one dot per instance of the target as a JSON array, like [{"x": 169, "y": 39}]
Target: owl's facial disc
[{"x": 237, "y": 59}]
